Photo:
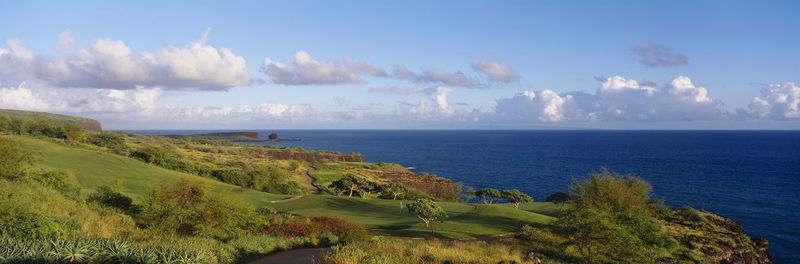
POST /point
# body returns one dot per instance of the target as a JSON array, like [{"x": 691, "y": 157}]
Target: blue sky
[{"x": 701, "y": 64}]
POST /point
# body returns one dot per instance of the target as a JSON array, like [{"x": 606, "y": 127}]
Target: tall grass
[{"x": 378, "y": 250}]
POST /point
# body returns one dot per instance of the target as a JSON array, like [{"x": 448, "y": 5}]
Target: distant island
[{"x": 243, "y": 136}]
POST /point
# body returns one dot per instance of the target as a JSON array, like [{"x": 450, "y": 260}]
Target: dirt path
[
  {"x": 295, "y": 256},
  {"x": 309, "y": 183}
]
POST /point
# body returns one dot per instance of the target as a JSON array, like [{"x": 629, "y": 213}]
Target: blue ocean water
[{"x": 750, "y": 176}]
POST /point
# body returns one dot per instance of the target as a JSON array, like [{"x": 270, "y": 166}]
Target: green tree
[
  {"x": 348, "y": 183},
  {"x": 74, "y": 133},
  {"x": 516, "y": 197},
  {"x": 559, "y": 197},
  {"x": 488, "y": 195},
  {"x": 14, "y": 160},
  {"x": 395, "y": 190},
  {"x": 428, "y": 211},
  {"x": 610, "y": 220},
  {"x": 463, "y": 193}
]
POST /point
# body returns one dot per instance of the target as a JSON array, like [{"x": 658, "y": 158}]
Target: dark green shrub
[
  {"x": 74, "y": 132},
  {"x": 110, "y": 140},
  {"x": 690, "y": 214},
  {"x": 111, "y": 197},
  {"x": 188, "y": 209}
]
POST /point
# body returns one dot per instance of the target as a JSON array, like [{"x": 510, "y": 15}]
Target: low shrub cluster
[
  {"x": 42, "y": 127},
  {"x": 319, "y": 226}
]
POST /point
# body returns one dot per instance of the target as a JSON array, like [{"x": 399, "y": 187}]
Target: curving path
[
  {"x": 295, "y": 256},
  {"x": 308, "y": 182}
]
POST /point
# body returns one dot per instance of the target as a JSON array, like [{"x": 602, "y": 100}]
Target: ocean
[{"x": 752, "y": 177}]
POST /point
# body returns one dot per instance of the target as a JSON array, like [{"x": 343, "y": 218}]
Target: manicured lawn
[
  {"x": 384, "y": 217},
  {"x": 94, "y": 168}
]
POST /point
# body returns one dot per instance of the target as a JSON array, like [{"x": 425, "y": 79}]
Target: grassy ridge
[
  {"x": 88, "y": 124},
  {"x": 94, "y": 168},
  {"x": 385, "y": 217}
]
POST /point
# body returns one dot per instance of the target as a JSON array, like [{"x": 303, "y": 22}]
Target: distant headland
[{"x": 241, "y": 136}]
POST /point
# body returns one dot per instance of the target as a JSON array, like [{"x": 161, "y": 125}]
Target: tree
[
  {"x": 395, "y": 189},
  {"x": 609, "y": 218},
  {"x": 516, "y": 197},
  {"x": 558, "y": 197},
  {"x": 463, "y": 193},
  {"x": 348, "y": 183},
  {"x": 488, "y": 195},
  {"x": 428, "y": 211}
]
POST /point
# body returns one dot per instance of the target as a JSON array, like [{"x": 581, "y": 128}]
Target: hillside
[
  {"x": 86, "y": 123},
  {"x": 95, "y": 168}
]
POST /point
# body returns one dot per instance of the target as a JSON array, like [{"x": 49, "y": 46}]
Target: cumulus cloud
[
  {"x": 443, "y": 108},
  {"x": 434, "y": 76},
  {"x": 495, "y": 70},
  {"x": 777, "y": 101},
  {"x": 79, "y": 100},
  {"x": 537, "y": 106},
  {"x": 617, "y": 99},
  {"x": 305, "y": 70},
  {"x": 111, "y": 64},
  {"x": 655, "y": 55}
]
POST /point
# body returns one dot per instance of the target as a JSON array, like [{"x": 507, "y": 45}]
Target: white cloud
[
  {"x": 443, "y": 108},
  {"x": 110, "y": 64},
  {"x": 538, "y": 106},
  {"x": 496, "y": 71},
  {"x": 617, "y": 99},
  {"x": 777, "y": 101},
  {"x": 434, "y": 76},
  {"x": 655, "y": 55},
  {"x": 305, "y": 70}
]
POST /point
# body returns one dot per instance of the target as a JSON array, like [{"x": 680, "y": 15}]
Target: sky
[{"x": 405, "y": 64}]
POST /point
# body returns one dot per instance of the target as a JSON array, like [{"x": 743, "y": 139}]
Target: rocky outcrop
[{"x": 713, "y": 239}]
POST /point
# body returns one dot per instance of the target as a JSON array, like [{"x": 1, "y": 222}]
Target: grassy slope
[
  {"x": 59, "y": 118},
  {"x": 384, "y": 217},
  {"x": 95, "y": 168}
]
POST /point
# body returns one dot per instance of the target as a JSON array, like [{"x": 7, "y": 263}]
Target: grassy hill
[
  {"x": 382, "y": 217},
  {"x": 94, "y": 168},
  {"x": 86, "y": 123}
]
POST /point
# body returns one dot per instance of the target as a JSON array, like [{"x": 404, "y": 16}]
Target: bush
[
  {"x": 345, "y": 231},
  {"x": 111, "y": 197},
  {"x": 14, "y": 160},
  {"x": 690, "y": 214},
  {"x": 21, "y": 223},
  {"x": 110, "y": 140},
  {"x": 58, "y": 180},
  {"x": 188, "y": 209}
]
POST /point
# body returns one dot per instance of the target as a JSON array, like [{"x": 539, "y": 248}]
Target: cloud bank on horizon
[{"x": 107, "y": 80}]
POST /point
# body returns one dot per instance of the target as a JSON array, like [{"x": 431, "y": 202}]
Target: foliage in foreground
[
  {"x": 122, "y": 251},
  {"x": 378, "y": 250}
]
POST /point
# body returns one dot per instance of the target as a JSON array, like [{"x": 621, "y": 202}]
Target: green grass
[
  {"x": 384, "y": 217},
  {"x": 95, "y": 168}
]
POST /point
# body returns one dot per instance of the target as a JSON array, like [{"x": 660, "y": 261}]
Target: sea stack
[{"x": 273, "y": 136}]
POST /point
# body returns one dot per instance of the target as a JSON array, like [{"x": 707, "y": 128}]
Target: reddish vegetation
[
  {"x": 434, "y": 186},
  {"x": 303, "y": 226},
  {"x": 307, "y": 156}
]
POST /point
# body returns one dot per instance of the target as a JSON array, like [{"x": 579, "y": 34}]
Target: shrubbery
[
  {"x": 42, "y": 127},
  {"x": 319, "y": 226}
]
